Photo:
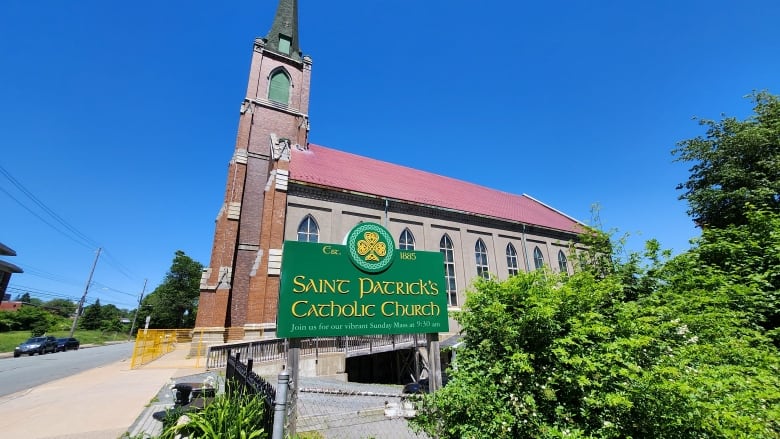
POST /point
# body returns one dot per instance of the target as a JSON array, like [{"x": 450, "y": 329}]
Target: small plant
[
  {"x": 172, "y": 416},
  {"x": 229, "y": 415}
]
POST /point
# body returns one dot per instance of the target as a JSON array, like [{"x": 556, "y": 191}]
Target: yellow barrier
[
  {"x": 199, "y": 348},
  {"x": 151, "y": 344}
]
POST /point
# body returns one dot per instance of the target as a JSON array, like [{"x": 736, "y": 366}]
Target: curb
[{"x": 84, "y": 346}]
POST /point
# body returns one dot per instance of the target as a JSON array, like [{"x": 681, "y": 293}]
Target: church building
[{"x": 281, "y": 187}]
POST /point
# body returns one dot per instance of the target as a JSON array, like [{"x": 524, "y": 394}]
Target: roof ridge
[
  {"x": 350, "y": 172},
  {"x": 417, "y": 170},
  {"x": 554, "y": 209}
]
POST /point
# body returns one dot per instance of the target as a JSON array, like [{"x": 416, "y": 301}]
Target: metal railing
[
  {"x": 240, "y": 378},
  {"x": 275, "y": 349},
  {"x": 151, "y": 344}
]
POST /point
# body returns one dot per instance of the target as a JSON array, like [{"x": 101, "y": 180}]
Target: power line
[
  {"x": 35, "y": 214},
  {"x": 114, "y": 262},
  {"x": 28, "y": 270},
  {"x": 46, "y": 209},
  {"x": 112, "y": 289},
  {"x": 64, "y": 228},
  {"x": 37, "y": 272},
  {"x": 63, "y": 280},
  {"x": 19, "y": 290},
  {"x": 48, "y": 295}
]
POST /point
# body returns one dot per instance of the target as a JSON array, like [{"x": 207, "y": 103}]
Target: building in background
[
  {"x": 6, "y": 270},
  {"x": 280, "y": 187}
]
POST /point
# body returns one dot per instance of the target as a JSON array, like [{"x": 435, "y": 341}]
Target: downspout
[
  {"x": 387, "y": 206},
  {"x": 525, "y": 251}
]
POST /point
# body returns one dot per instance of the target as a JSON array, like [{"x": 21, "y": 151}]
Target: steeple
[
  {"x": 239, "y": 289},
  {"x": 283, "y": 36}
]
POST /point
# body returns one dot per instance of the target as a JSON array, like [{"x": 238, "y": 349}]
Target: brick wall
[{"x": 250, "y": 295}]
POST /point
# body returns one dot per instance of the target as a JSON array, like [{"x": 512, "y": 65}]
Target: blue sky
[{"x": 120, "y": 117}]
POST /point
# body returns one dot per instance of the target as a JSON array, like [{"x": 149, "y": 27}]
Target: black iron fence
[{"x": 240, "y": 378}]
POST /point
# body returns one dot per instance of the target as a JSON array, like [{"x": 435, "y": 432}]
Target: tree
[
  {"x": 737, "y": 162},
  {"x": 61, "y": 307},
  {"x": 25, "y": 298},
  {"x": 110, "y": 317},
  {"x": 34, "y": 318},
  {"x": 8, "y": 321},
  {"x": 748, "y": 256},
  {"x": 173, "y": 303},
  {"x": 92, "y": 316}
]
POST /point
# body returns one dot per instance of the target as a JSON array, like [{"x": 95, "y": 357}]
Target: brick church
[{"x": 281, "y": 187}]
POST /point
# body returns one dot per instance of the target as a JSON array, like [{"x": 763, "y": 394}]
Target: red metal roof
[{"x": 339, "y": 170}]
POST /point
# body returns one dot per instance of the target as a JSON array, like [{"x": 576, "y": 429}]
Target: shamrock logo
[{"x": 370, "y": 247}]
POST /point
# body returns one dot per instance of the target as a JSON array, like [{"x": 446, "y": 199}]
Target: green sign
[{"x": 364, "y": 287}]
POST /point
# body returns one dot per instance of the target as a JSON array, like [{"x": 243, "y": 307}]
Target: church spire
[{"x": 283, "y": 36}]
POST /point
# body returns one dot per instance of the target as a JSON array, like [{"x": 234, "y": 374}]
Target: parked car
[
  {"x": 37, "y": 345},
  {"x": 67, "y": 343}
]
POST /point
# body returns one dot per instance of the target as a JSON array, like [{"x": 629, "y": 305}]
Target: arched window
[
  {"x": 480, "y": 252},
  {"x": 538, "y": 258},
  {"x": 279, "y": 88},
  {"x": 308, "y": 230},
  {"x": 562, "y": 262},
  {"x": 406, "y": 241},
  {"x": 511, "y": 259},
  {"x": 445, "y": 247}
]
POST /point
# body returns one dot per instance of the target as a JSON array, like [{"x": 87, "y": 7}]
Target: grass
[{"x": 12, "y": 339}]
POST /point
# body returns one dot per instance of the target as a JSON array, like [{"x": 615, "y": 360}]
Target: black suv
[{"x": 37, "y": 345}]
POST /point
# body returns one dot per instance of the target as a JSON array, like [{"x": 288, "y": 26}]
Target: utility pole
[
  {"x": 84, "y": 296},
  {"x": 137, "y": 310}
]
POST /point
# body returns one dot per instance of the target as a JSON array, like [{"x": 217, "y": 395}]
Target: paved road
[
  {"x": 101, "y": 402},
  {"x": 25, "y": 372}
]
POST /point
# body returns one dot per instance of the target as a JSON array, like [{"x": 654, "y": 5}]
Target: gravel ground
[{"x": 335, "y": 409}]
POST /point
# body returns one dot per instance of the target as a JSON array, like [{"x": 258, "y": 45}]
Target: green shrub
[
  {"x": 546, "y": 356},
  {"x": 229, "y": 415},
  {"x": 172, "y": 416}
]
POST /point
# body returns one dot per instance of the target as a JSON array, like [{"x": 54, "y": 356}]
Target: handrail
[{"x": 275, "y": 349}]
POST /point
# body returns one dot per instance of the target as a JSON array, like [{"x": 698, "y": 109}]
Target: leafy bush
[
  {"x": 172, "y": 416},
  {"x": 229, "y": 415},
  {"x": 548, "y": 356}
]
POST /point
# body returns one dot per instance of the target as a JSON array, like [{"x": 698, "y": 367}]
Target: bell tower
[{"x": 239, "y": 288}]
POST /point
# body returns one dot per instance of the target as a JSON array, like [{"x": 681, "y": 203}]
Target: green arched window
[{"x": 279, "y": 90}]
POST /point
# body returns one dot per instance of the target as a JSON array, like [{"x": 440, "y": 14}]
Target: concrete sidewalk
[{"x": 102, "y": 403}]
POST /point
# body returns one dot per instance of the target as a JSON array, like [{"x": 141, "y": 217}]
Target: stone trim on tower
[{"x": 240, "y": 285}]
